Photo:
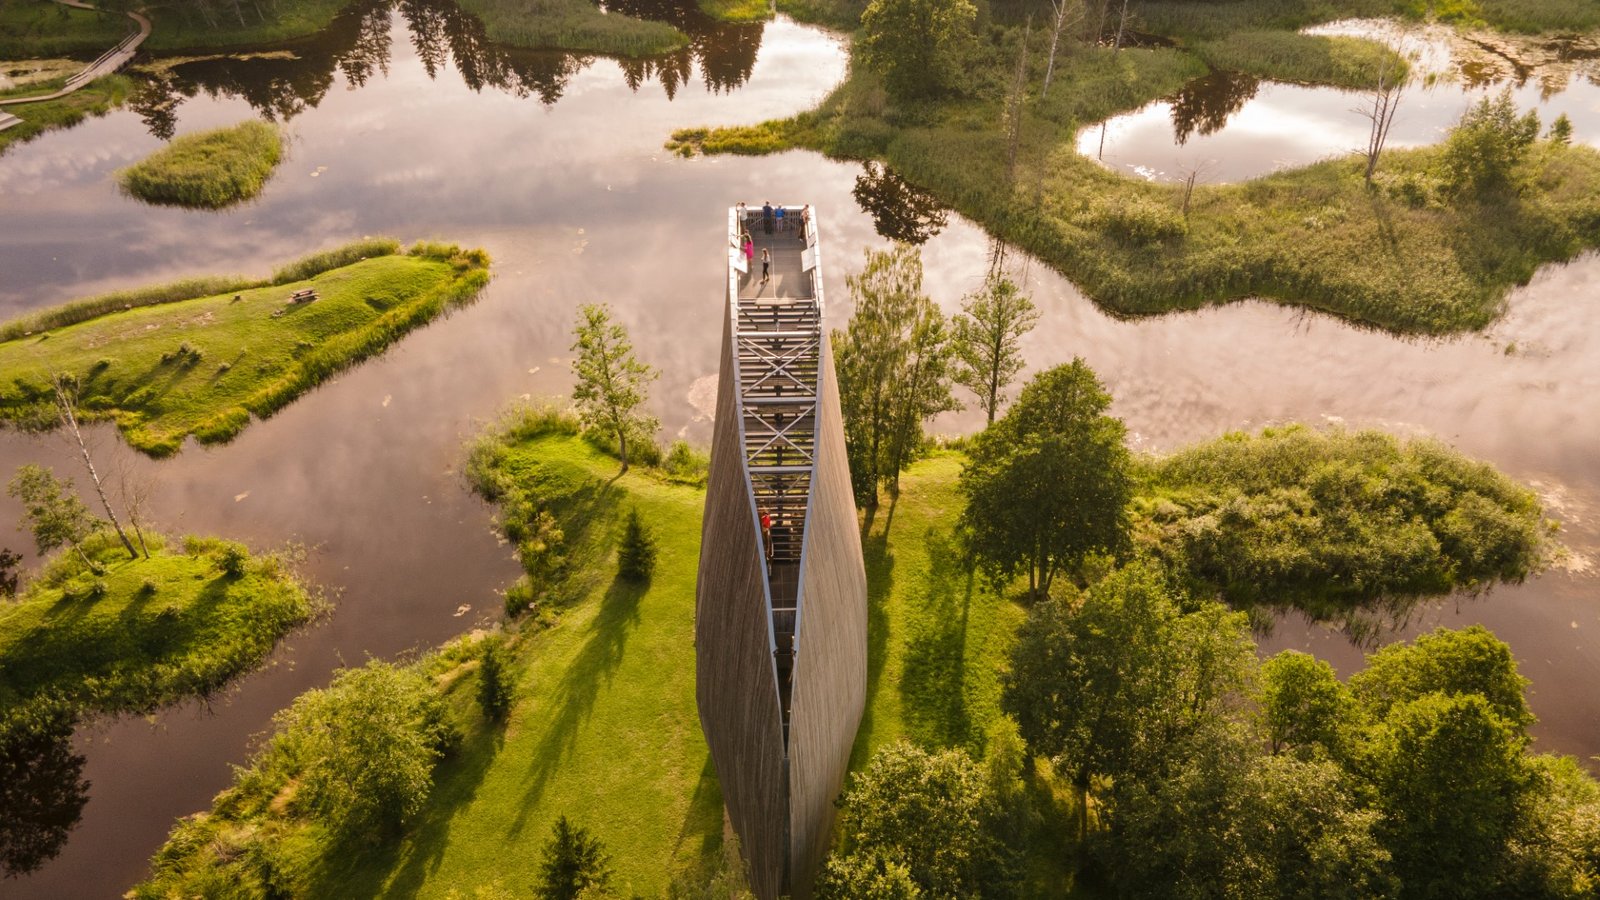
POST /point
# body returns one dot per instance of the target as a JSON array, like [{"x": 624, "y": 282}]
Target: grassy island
[
  {"x": 203, "y": 357},
  {"x": 209, "y": 169},
  {"x": 1398, "y": 254},
  {"x": 576, "y": 25},
  {"x": 134, "y": 635}
]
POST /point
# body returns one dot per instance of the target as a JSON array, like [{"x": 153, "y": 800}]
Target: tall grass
[
  {"x": 209, "y": 169},
  {"x": 117, "y": 301},
  {"x": 37, "y": 29},
  {"x": 573, "y": 25},
  {"x": 325, "y": 260},
  {"x": 1311, "y": 59}
]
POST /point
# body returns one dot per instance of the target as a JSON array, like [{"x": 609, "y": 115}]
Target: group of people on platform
[{"x": 773, "y": 220}]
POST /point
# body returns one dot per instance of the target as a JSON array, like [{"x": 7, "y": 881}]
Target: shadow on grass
[
  {"x": 700, "y": 836},
  {"x": 574, "y": 698},
  {"x": 880, "y": 584},
  {"x": 399, "y": 868},
  {"x": 933, "y": 686}
]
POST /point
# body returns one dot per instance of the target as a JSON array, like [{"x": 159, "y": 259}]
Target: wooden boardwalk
[
  {"x": 789, "y": 280},
  {"x": 108, "y": 62}
]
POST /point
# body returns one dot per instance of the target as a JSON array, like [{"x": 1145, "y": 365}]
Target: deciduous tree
[
  {"x": 989, "y": 341},
  {"x": 54, "y": 514},
  {"x": 1048, "y": 484},
  {"x": 612, "y": 383},
  {"x": 916, "y": 45}
]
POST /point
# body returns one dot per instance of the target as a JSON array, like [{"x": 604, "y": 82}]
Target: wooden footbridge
[{"x": 108, "y": 62}]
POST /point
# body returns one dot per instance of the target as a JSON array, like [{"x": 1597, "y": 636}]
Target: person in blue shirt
[{"x": 779, "y": 214}]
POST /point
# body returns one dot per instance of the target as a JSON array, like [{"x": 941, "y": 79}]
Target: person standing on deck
[
  {"x": 766, "y": 265},
  {"x": 749, "y": 252},
  {"x": 778, "y": 213},
  {"x": 805, "y": 221},
  {"x": 766, "y": 217}
]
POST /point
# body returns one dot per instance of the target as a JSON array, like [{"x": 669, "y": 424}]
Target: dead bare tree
[
  {"x": 1122, "y": 27},
  {"x": 66, "y": 408},
  {"x": 1019, "y": 92},
  {"x": 1191, "y": 176},
  {"x": 136, "y": 490},
  {"x": 1067, "y": 13},
  {"x": 1385, "y": 100}
]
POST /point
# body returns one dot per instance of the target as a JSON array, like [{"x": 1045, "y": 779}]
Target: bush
[
  {"x": 636, "y": 560},
  {"x": 519, "y": 597},
  {"x": 1483, "y": 150},
  {"x": 686, "y": 465},
  {"x": 1135, "y": 220},
  {"x": 495, "y": 681},
  {"x": 232, "y": 558},
  {"x": 365, "y": 747}
]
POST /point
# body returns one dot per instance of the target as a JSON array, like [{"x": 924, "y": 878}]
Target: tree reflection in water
[
  {"x": 42, "y": 791},
  {"x": 900, "y": 211},
  {"x": 1205, "y": 103},
  {"x": 284, "y": 81}
]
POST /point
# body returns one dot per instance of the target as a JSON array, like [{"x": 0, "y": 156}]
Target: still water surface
[
  {"x": 553, "y": 163},
  {"x": 1232, "y": 127}
]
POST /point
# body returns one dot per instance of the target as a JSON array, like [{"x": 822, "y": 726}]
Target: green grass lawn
[
  {"x": 208, "y": 169},
  {"x": 93, "y": 99},
  {"x": 146, "y": 632},
  {"x": 33, "y": 29},
  {"x": 204, "y": 365}
]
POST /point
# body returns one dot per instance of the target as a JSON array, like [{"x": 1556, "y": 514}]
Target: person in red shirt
[{"x": 766, "y": 532}]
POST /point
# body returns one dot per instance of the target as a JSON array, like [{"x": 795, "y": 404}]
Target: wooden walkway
[
  {"x": 108, "y": 62},
  {"x": 789, "y": 281}
]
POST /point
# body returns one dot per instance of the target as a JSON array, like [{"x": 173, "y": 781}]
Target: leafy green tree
[
  {"x": 54, "y": 514},
  {"x": 1449, "y": 775},
  {"x": 574, "y": 864},
  {"x": 893, "y": 365},
  {"x": 1482, "y": 152},
  {"x": 866, "y": 876},
  {"x": 935, "y": 815},
  {"x": 1048, "y": 484},
  {"x": 1554, "y": 849},
  {"x": 495, "y": 680},
  {"x": 1561, "y": 130},
  {"x": 1468, "y": 661},
  {"x": 366, "y": 746},
  {"x": 1228, "y": 822},
  {"x": 612, "y": 382},
  {"x": 989, "y": 341},
  {"x": 1122, "y": 683},
  {"x": 636, "y": 559},
  {"x": 916, "y": 45},
  {"x": 1304, "y": 706}
]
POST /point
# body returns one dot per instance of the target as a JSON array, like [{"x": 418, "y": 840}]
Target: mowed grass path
[
  {"x": 205, "y": 366},
  {"x": 605, "y": 728}
]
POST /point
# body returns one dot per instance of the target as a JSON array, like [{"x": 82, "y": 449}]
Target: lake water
[
  {"x": 553, "y": 163},
  {"x": 1232, "y": 127}
]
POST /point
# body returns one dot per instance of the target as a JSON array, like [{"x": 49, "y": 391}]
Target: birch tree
[{"x": 988, "y": 341}]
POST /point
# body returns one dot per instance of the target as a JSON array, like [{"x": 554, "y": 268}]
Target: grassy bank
[
  {"x": 144, "y": 633},
  {"x": 1315, "y": 237},
  {"x": 93, "y": 99},
  {"x": 33, "y": 29},
  {"x": 205, "y": 365},
  {"x": 209, "y": 169},
  {"x": 177, "y": 26},
  {"x": 572, "y": 25},
  {"x": 736, "y": 10}
]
